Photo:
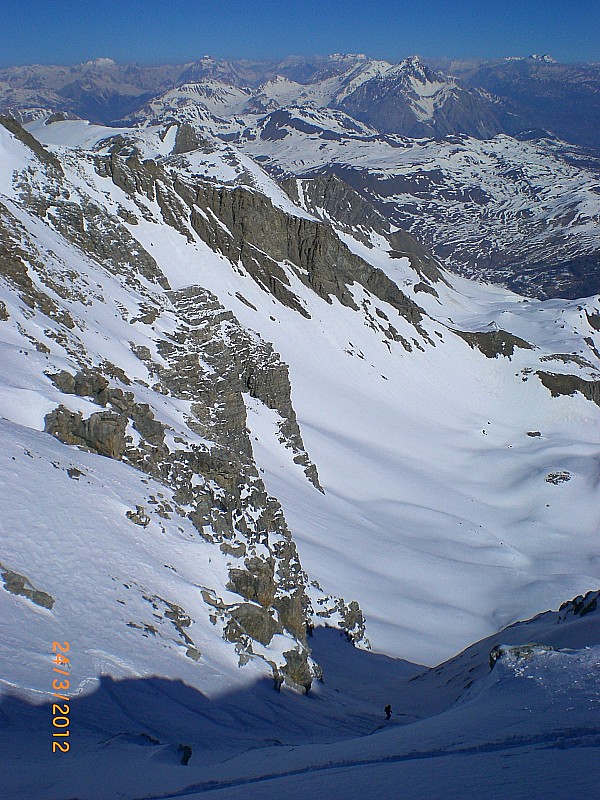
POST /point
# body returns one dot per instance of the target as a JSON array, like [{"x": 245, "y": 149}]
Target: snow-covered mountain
[
  {"x": 520, "y": 212},
  {"x": 412, "y": 100},
  {"x": 234, "y": 411},
  {"x": 559, "y": 97},
  {"x": 487, "y": 179},
  {"x": 477, "y": 98}
]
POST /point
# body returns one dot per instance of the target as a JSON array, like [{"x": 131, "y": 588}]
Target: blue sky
[{"x": 153, "y": 31}]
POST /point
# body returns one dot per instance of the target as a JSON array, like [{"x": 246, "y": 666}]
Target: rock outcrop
[
  {"x": 18, "y": 584},
  {"x": 246, "y": 227},
  {"x": 333, "y": 200}
]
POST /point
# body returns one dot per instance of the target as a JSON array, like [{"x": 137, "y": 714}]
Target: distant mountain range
[
  {"x": 493, "y": 165},
  {"x": 411, "y": 98}
]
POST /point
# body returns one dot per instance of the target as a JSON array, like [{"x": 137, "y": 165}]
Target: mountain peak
[
  {"x": 348, "y": 57},
  {"x": 414, "y": 65},
  {"x": 547, "y": 59},
  {"x": 413, "y": 69},
  {"x": 100, "y": 62}
]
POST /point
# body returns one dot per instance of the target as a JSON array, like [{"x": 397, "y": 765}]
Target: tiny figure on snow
[
  {"x": 185, "y": 751},
  {"x": 388, "y": 711}
]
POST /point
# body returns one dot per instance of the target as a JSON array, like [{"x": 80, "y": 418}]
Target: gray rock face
[
  {"x": 19, "y": 584},
  {"x": 333, "y": 200},
  {"x": 187, "y": 139},
  {"x": 253, "y": 621},
  {"x": 262, "y": 236},
  {"x": 240, "y": 364},
  {"x": 296, "y": 670},
  {"x": 494, "y": 343},
  {"x": 561, "y": 384},
  {"x": 102, "y": 433},
  {"x": 246, "y": 227}
]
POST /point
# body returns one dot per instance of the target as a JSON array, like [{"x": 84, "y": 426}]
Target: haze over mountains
[{"x": 259, "y": 434}]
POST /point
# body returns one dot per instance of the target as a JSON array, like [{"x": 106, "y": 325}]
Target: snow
[
  {"x": 440, "y": 547},
  {"x": 211, "y": 95},
  {"x": 436, "y": 517},
  {"x": 529, "y": 727},
  {"x": 465, "y": 197},
  {"x": 463, "y": 531}
]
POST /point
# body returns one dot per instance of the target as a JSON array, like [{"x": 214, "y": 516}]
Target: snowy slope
[
  {"x": 499, "y": 209},
  {"x": 307, "y": 421},
  {"x": 470, "y": 535},
  {"x": 528, "y": 726}
]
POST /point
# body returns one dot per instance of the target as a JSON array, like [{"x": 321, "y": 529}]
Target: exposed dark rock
[
  {"x": 32, "y": 143},
  {"x": 128, "y": 216},
  {"x": 353, "y": 621},
  {"x": 139, "y": 516},
  {"x": 91, "y": 383},
  {"x": 594, "y": 320},
  {"x": 262, "y": 237},
  {"x": 102, "y": 433},
  {"x": 585, "y": 605},
  {"x": 332, "y": 199},
  {"x": 253, "y": 621},
  {"x": 424, "y": 287},
  {"x": 494, "y": 343},
  {"x": 4, "y": 315},
  {"x": 85, "y": 383},
  {"x": 126, "y": 168},
  {"x": 124, "y": 165},
  {"x": 58, "y": 116},
  {"x": 242, "y": 364},
  {"x": 256, "y": 582},
  {"x": 246, "y": 227},
  {"x": 558, "y": 477},
  {"x": 559, "y": 384},
  {"x": 296, "y": 670},
  {"x": 185, "y": 751},
  {"x": 386, "y": 103},
  {"x": 187, "y": 139},
  {"x": 19, "y": 584},
  {"x": 569, "y": 358}
]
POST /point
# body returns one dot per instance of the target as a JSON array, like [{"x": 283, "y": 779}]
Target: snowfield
[{"x": 459, "y": 496}]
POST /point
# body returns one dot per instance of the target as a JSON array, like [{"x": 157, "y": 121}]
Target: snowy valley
[{"x": 269, "y": 466}]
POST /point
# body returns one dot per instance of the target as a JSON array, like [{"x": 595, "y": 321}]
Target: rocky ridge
[
  {"x": 209, "y": 362},
  {"x": 182, "y": 349},
  {"x": 533, "y": 236}
]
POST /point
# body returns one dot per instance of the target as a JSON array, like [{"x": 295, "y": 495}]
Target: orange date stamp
[{"x": 61, "y": 685}]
